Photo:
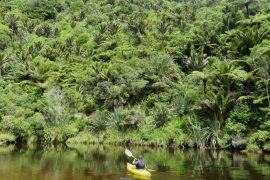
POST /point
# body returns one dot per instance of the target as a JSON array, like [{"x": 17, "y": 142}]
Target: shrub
[
  {"x": 56, "y": 109},
  {"x": 16, "y": 126},
  {"x": 162, "y": 114},
  {"x": 81, "y": 122},
  {"x": 224, "y": 141},
  {"x": 83, "y": 138},
  {"x": 259, "y": 138},
  {"x": 69, "y": 131},
  {"x": 7, "y": 138},
  {"x": 252, "y": 148},
  {"x": 266, "y": 146},
  {"x": 4, "y": 37},
  {"x": 199, "y": 136},
  {"x": 241, "y": 114},
  {"x": 46, "y": 30},
  {"x": 234, "y": 127},
  {"x": 175, "y": 132},
  {"x": 56, "y": 134},
  {"x": 98, "y": 122},
  {"x": 265, "y": 125},
  {"x": 37, "y": 125},
  {"x": 53, "y": 135},
  {"x": 244, "y": 117},
  {"x": 42, "y": 9},
  {"x": 128, "y": 118}
]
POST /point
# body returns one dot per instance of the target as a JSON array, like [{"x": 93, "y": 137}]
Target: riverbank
[
  {"x": 163, "y": 137},
  {"x": 159, "y": 139}
]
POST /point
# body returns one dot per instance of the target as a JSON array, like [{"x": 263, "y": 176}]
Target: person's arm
[{"x": 135, "y": 162}]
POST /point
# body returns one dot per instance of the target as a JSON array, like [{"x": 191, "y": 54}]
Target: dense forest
[{"x": 180, "y": 73}]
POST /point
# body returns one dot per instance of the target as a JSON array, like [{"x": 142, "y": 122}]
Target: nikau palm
[{"x": 176, "y": 73}]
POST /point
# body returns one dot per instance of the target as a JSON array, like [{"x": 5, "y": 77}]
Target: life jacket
[{"x": 139, "y": 163}]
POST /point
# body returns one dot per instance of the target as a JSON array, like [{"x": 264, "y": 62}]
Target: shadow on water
[{"x": 109, "y": 162}]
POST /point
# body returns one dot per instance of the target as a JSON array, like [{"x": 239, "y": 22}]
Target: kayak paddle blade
[{"x": 128, "y": 153}]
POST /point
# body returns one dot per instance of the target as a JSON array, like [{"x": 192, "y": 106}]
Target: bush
[
  {"x": 16, "y": 126},
  {"x": 37, "y": 125},
  {"x": 60, "y": 134},
  {"x": 83, "y": 138},
  {"x": 199, "y": 136},
  {"x": 265, "y": 125},
  {"x": 128, "y": 118},
  {"x": 81, "y": 122},
  {"x": 175, "y": 133},
  {"x": 266, "y": 146},
  {"x": 233, "y": 127},
  {"x": 69, "y": 131},
  {"x": 7, "y": 138},
  {"x": 259, "y": 138},
  {"x": 241, "y": 114},
  {"x": 162, "y": 114},
  {"x": 46, "y": 30},
  {"x": 252, "y": 148},
  {"x": 224, "y": 141},
  {"x": 98, "y": 122},
  {"x": 4, "y": 37},
  {"x": 42, "y": 9},
  {"x": 55, "y": 107},
  {"x": 243, "y": 117},
  {"x": 53, "y": 135}
]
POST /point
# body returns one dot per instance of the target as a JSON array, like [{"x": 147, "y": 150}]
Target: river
[{"x": 98, "y": 162}]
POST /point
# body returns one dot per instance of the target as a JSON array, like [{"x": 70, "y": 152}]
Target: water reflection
[
  {"x": 109, "y": 162},
  {"x": 6, "y": 149}
]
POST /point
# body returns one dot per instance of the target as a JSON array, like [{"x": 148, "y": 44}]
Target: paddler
[{"x": 139, "y": 163}]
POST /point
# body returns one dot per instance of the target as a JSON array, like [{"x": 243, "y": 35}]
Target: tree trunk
[
  {"x": 247, "y": 7},
  {"x": 221, "y": 121}
]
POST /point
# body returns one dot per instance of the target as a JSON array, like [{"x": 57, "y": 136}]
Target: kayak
[{"x": 139, "y": 172}]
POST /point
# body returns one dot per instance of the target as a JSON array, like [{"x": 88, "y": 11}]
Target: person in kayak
[{"x": 139, "y": 163}]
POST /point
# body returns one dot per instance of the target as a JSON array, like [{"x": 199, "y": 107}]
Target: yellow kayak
[{"x": 139, "y": 172}]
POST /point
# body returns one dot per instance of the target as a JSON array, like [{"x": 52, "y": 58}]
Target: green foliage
[
  {"x": 16, "y": 126},
  {"x": 98, "y": 122},
  {"x": 81, "y": 122},
  {"x": 59, "y": 134},
  {"x": 159, "y": 71},
  {"x": 266, "y": 147},
  {"x": 241, "y": 114},
  {"x": 128, "y": 118},
  {"x": 260, "y": 138},
  {"x": 55, "y": 107},
  {"x": 225, "y": 141},
  {"x": 7, "y": 138},
  {"x": 252, "y": 148},
  {"x": 161, "y": 115},
  {"x": 46, "y": 30},
  {"x": 37, "y": 126},
  {"x": 4, "y": 37},
  {"x": 43, "y": 9},
  {"x": 83, "y": 138},
  {"x": 234, "y": 127}
]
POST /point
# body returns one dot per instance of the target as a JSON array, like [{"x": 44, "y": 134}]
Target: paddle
[{"x": 129, "y": 154}]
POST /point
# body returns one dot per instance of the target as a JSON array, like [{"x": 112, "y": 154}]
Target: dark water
[{"x": 109, "y": 162}]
